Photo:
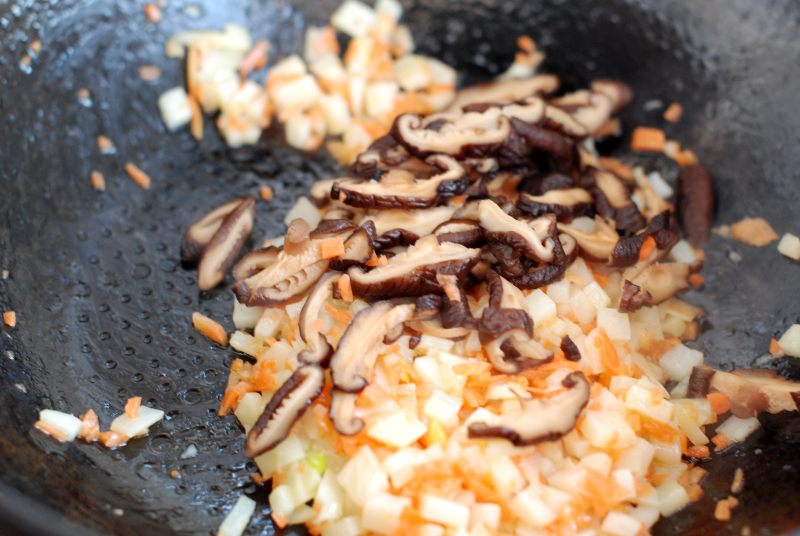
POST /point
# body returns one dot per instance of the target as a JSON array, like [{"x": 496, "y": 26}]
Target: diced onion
[
  {"x": 65, "y": 427},
  {"x": 238, "y": 518},
  {"x": 140, "y": 424},
  {"x": 176, "y": 111},
  {"x": 790, "y": 341}
]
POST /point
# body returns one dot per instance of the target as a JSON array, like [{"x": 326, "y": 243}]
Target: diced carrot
[
  {"x": 343, "y": 317},
  {"x": 232, "y": 397},
  {"x": 149, "y": 73},
  {"x": 648, "y": 139},
  {"x": 196, "y": 124},
  {"x": 263, "y": 377},
  {"x": 104, "y": 144},
  {"x": 10, "y": 318},
  {"x": 696, "y": 280},
  {"x": 720, "y": 403},
  {"x": 113, "y": 439},
  {"x": 775, "y": 349},
  {"x": 98, "y": 181},
  {"x": 383, "y": 260},
  {"x": 255, "y": 59},
  {"x": 372, "y": 262},
  {"x": 659, "y": 431},
  {"x": 152, "y": 12},
  {"x": 345, "y": 289},
  {"x": 332, "y": 248},
  {"x": 211, "y": 329},
  {"x": 721, "y": 441},
  {"x": 132, "y": 406},
  {"x": 266, "y": 193},
  {"x": 673, "y": 112},
  {"x": 139, "y": 177},
  {"x": 648, "y": 247},
  {"x": 686, "y": 158},
  {"x": 90, "y": 427},
  {"x": 608, "y": 354},
  {"x": 526, "y": 43},
  {"x": 698, "y": 451},
  {"x": 435, "y": 89},
  {"x": 754, "y": 232}
]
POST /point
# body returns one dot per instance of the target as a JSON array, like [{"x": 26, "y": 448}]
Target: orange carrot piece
[
  {"x": 152, "y": 12},
  {"x": 332, "y": 248},
  {"x": 255, "y": 59},
  {"x": 343, "y": 317},
  {"x": 608, "y": 354},
  {"x": 139, "y": 177},
  {"x": 686, "y": 158},
  {"x": 105, "y": 145},
  {"x": 721, "y": 441},
  {"x": 345, "y": 289},
  {"x": 696, "y": 280},
  {"x": 720, "y": 403},
  {"x": 196, "y": 124},
  {"x": 659, "y": 430},
  {"x": 775, "y": 349},
  {"x": 648, "y": 247},
  {"x": 266, "y": 193},
  {"x": 724, "y": 509},
  {"x": 210, "y": 328},
  {"x": 673, "y": 112},
  {"x": 10, "y": 318},
  {"x": 113, "y": 440},
  {"x": 232, "y": 397},
  {"x": 698, "y": 451},
  {"x": 49, "y": 430},
  {"x": 98, "y": 181},
  {"x": 132, "y": 406},
  {"x": 648, "y": 139},
  {"x": 90, "y": 427},
  {"x": 617, "y": 167}
]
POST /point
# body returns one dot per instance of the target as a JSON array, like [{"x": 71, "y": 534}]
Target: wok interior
[{"x": 104, "y": 306}]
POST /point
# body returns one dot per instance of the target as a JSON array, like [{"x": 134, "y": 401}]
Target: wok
[{"x": 104, "y": 307}]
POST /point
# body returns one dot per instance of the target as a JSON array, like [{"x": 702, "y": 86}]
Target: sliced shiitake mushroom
[
  {"x": 565, "y": 204},
  {"x": 656, "y": 283},
  {"x": 570, "y": 349},
  {"x": 413, "y": 272},
  {"x": 505, "y": 91},
  {"x": 539, "y": 419},
  {"x": 253, "y": 262},
  {"x": 357, "y": 250},
  {"x": 696, "y": 203},
  {"x": 317, "y": 347},
  {"x": 460, "y": 231},
  {"x": 200, "y": 233},
  {"x": 613, "y": 202},
  {"x": 750, "y": 391},
  {"x": 598, "y": 243},
  {"x": 221, "y": 251},
  {"x": 285, "y": 407},
  {"x": 343, "y": 413},
  {"x": 352, "y": 362},
  {"x": 418, "y": 222},
  {"x": 528, "y": 237},
  {"x": 400, "y": 188},
  {"x": 626, "y": 250},
  {"x": 633, "y": 297}
]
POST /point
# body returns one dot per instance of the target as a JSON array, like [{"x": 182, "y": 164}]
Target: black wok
[{"x": 104, "y": 306}]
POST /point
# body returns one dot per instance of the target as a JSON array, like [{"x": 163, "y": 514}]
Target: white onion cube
[
  {"x": 65, "y": 425},
  {"x": 175, "y": 108},
  {"x": 140, "y": 424},
  {"x": 397, "y": 430},
  {"x": 238, "y": 518},
  {"x": 790, "y": 341},
  {"x": 449, "y": 513},
  {"x": 353, "y": 18},
  {"x": 381, "y": 513}
]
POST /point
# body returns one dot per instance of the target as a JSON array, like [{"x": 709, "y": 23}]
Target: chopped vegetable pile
[{"x": 477, "y": 328}]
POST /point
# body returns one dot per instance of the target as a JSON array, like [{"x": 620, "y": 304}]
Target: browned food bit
[
  {"x": 613, "y": 202},
  {"x": 695, "y": 203},
  {"x": 505, "y": 91},
  {"x": 318, "y": 350},
  {"x": 413, "y": 272},
  {"x": 285, "y": 407},
  {"x": 342, "y": 413},
  {"x": 352, "y": 362},
  {"x": 539, "y": 419},
  {"x": 755, "y": 390},
  {"x": 628, "y": 250},
  {"x": 633, "y": 297},
  {"x": 223, "y": 248},
  {"x": 724, "y": 508},
  {"x": 700, "y": 382},
  {"x": 570, "y": 349},
  {"x": 754, "y": 232},
  {"x": 565, "y": 204}
]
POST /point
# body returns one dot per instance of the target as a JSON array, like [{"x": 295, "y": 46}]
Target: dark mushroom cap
[
  {"x": 351, "y": 363},
  {"x": 413, "y": 272},
  {"x": 285, "y": 407},
  {"x": 200, "y": 233},
  {"x": 539, "y": 419},
  {"x": 317, "y": 347},
  {"x": 221, "y": 251}
]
